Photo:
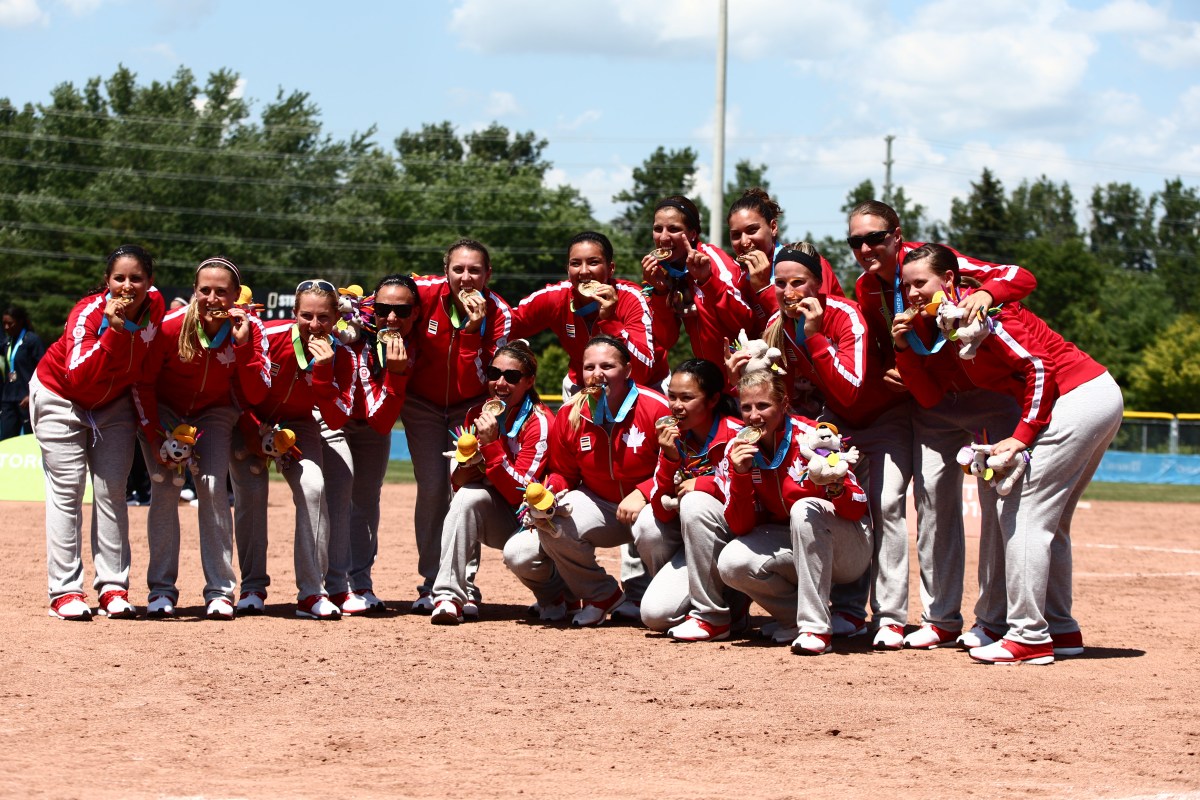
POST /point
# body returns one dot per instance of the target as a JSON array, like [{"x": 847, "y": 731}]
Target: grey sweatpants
[
  {"x": 479, "y": 514},
  {"x": 215, "y": 520},
  {"x": 427, "y": 427},
  {"x": 592, "y": 524},
  {"x": 356, "y": 460},
  {"x": 789, "y": 569},
  {"x": 304, "y": 477},
  {"x": 523, "y": 554},
  {"x": 73, "y": 441},
  {"x": 1035, "y": 520},
  {"x": 683, "y": 559}
]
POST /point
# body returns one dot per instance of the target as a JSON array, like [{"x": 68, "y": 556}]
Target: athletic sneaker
[
  {"x": 848, "y": 625},
  {"x": 374, "y": 604},
  {"x": 350, "y": 603},
  {"x": 73, "y": 607},
  {"x": 628, "y": 611},
  {"x": 1067, "y": 644},
  {"x": 979, "y": 636},
  {"x": 889, "y": 637},
  {"x": 115, "y": 604},
  {"x": 423, "y": 604},
  {"x": 1008, "y": 651},
  {"x": 317, "y": 606},
  {"x": 929, "y": 637},
  {"x": 252, "y": 602},
  {"x": 160, "y": 606},
  {"x": 812, "y": 644},
  {"x": 187, "y": 495},
  {"x": 694, "y": 629},
  {"x": 219, "y": 608},
  {"x": 470, "y": 610},
  {"x": 594, "y": 613},
  {"x": 446, "y": 612}
]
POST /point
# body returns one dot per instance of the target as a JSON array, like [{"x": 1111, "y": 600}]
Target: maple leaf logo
[
  {"x": 225, "y": 356},
  {"x": 148, "y": 332},
  {"x": 796, "y": 470},
  {"x": 634, "y": 439}
]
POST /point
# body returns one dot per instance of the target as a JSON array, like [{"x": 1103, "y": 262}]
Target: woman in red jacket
[
  {"x": 356, "y": 455},
  {"x": 794, "y": 538},
  {"x": 201, "y": 353},
  {"x": 603, "y": 451},
  {"x": 696, "y": 283},
  {"x": 84, "y": 420},
  {"x": 512, "y": 444},
  {"x": 753, "y": 221},
  {"x": 686, "y": 597},
  {"x": 1070, "y": 411},
  {"x": 308, "y": 369},
  {"x": 462, "y": 325}
]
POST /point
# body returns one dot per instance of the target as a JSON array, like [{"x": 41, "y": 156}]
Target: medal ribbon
[
  {"x": 13, "y": 349},
  {"x": 606, "y": 416},
  {"x": 911, "y": 337},
  {"x": 522, "y": 415},
  {"x": 695, "y": 464},
  {"x": 298, "y": 348},
  {"x": 217, "y": 340},
  {"x": 130, "y": 326},
  {"x": 781, "y": 451}
]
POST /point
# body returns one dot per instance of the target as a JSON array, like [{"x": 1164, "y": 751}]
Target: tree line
[{"x": 185, "y": 170}]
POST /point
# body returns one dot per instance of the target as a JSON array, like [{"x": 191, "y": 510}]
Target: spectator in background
[{"x": 23, "y": 349}]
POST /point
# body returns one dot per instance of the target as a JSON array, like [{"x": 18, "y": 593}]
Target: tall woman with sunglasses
[
  {"x": 920, "y": 444},
  {"x": 356, "y": 455},
  {"x": 84, "y": 420},
  {"x": 511, "y": 437},
  {"x": 462, "y": 324},
  {"x": 308, "y": 368},
  {"x": 205, "y": 350}
]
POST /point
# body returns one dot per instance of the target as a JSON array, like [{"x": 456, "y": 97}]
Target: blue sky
[{"x": 1087, "y": 92}]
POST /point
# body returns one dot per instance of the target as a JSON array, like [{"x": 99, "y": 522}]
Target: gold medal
[
  {"x": 495, "y": 407},
  {"x": 749, "y": 434}
]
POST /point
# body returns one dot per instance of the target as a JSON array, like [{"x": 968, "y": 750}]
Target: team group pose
[{"x": 770, "y": 468}]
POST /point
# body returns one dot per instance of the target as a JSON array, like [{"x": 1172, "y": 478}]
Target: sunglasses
[
  {"x": 512, "y": 376},
  {"x": 324, "y": 286},
  {"x": 401, "y": 310},
  {"x": 872, "y": 239}
]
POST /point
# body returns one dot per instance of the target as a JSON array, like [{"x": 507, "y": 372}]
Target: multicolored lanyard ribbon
[
  {"x": 696, "y": 464},
  {"x": 785, "y": 444},
  {"x": 217, "y": 340},
  {"x": 130, "y": 325},
  {"x": 10, "y": 365},
  {"x": 460, "y": 324},
  {"x": 911, "y": 337},
  {"x": 297, "y": 346},
  {"x": 522, "y": 415},
  {"x": 601, "y": 415}
]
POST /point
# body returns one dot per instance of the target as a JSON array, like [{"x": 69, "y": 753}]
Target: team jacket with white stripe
[
  {"x": 377, "y": 395},
  {"x": 713, "y": 483},
  {"x": 512, "y": 464},
  {"x": 611, "y": 465},
  {"x": 721, "y": 310},
  {"x": 1006, "y": 283},
  {"x": 767, "y": 495},
  {"x": 205, "y": 381},
  {"x": 92, "y": 368},
  {"x": 294, "y": 392},
  {"x": 452, "y": 363},
  {"x": 552, "y": 307},
  {"x": 1024, "y": 358}
]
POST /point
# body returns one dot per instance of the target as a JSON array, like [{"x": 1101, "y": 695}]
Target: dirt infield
[{"x": 395, "y": 707}]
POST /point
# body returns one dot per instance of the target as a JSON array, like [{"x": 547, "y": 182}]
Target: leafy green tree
[
  {"x": 1179, "y": 244},
  {"x": 1168, "y": 377},
  {"x": 662, "y": 174},
  {"x": 747, "y": 176},
  {"x": 1043, "y": 210},
  {"x": 1122, "y": 226},
  {"x": 979, "y": 225}
]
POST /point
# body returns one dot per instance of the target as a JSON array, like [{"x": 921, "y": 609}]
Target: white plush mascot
[
  {"x": 1002, "y": 472},
  {"x": 828, "y": 459}
]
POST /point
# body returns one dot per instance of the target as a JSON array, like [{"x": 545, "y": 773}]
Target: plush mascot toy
[
  {"x": 828, "y": 458},
  {"x": 540, "y": 508},
  {"x": 178, "y": 450},
  {"x": 762, "y": 355},
  {"x": 1001, "y": 472}
]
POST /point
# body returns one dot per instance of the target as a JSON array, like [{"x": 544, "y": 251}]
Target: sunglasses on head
[
  {"x": 509, "y": 375},
  {"x": 401, "y": 310},
  {"x": 324, "y": 286},
  {"x": 872, "y": 239}
]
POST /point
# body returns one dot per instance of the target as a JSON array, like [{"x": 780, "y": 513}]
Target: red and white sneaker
[
  {"x": 350, "y": 603},
  {"x": 115, "y": 604},
  {"x": 889, "y": 637},
  {"x": 979, "y": 636},
  {"x": 1067, "y": 644},
  {"x": 929, "y": 637},
  {"x": 318, "y": 606},
  {"x": 470, "y": 609},
  {"x": 72, "y": 607},
  {"x": 446, "y": 612},
  {"x": 374, "y": 604},
  {"x": 220, "y": 609},
  {"x": 252, "y": 602},
  {"x": 694, "y": 629},
  {"x": 594, "y": 613},
  {"x": 812, "y": 644},
  {"x": 848, "y": 625},
  {"x": 1009, "y": 651}
]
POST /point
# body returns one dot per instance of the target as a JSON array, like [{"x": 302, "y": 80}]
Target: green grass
[
  {"x": 1143, "y": 492},
  {"x": 399, "y": 472}
]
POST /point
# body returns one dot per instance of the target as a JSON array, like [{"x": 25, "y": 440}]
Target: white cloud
[
  {"x": 81, "y": 7},
  {"x": 583, "y": 120},
  {"x": 501, "y": 104},
  {"x": 163, "y": 50},
  {"x": 1179, "y": 49},
  {"x": 21, "y": 14},
  {"x": 1124, "y": 17},
  {"x": 176, "y": 15}
]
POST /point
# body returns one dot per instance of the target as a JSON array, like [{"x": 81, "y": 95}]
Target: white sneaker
[
  {"x": 446, "y": 613},
  {"x": 929, "y": 637},
  {"x": 252, "y": 602},
  {"x": 556, "y": 612},
  {"x": 978, "y": 636},
  {"x": 187, "y": 495},
  {"x": 423, "y": 604},
  {"x": 374, "y": 604},
  {"x": 351, "y": 603},
  {"x": 694, "y": 629},
  {"x": 160, "y": 605},
  {"x": 219, "y": 608},
  {"x": 470, "y": 609},
  {"x": 889, "y": 637},
  {"x": 595, "y": 613},
  {"x": 628, "y": 611},
  {"x": 115, "y": 605},
  {"x": 318, "y": 606},
  {"x": 70, "y": 606},
  {"x": 812, "y": 644}
]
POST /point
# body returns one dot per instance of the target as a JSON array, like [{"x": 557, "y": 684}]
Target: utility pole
[
  {"x": 887, "y": 175},
  {"x": 715, "y": 226}
]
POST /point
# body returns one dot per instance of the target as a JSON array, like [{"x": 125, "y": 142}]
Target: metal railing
[{"x": 1158, "y": 432}]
